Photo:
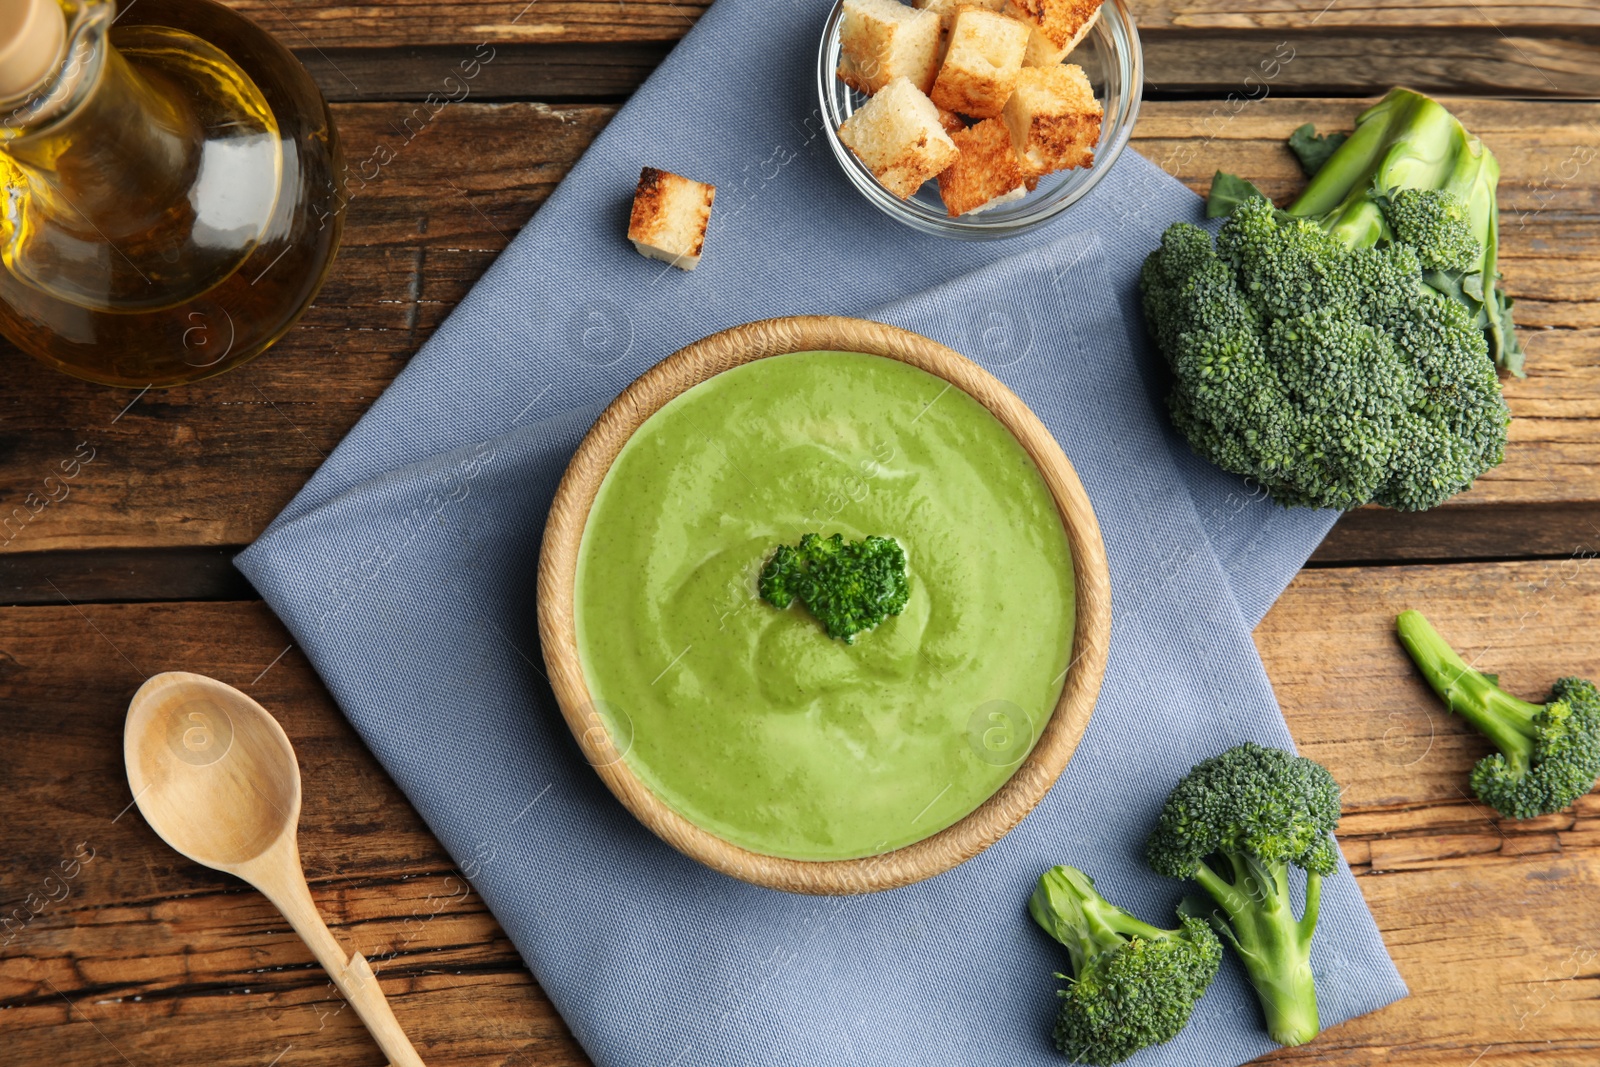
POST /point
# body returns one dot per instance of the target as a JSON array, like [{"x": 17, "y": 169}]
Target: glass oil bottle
[{"x": 169, "y": 190}]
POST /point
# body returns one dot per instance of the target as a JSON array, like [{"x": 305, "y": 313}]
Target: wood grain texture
[
  {"x": 1488, "y": 533},
  {"x": 1471, "y": 59},
  {"x": 1486, "y": 919},
  {"x": 323, "y": 23},
  {"x": 144, "y": 953},
  {"x": 212, "y": 463},
  {"x": 558, "y": 567},
  {"x": 576, "y": 72},
  {"x": 1466, "y": 61},
  {"x": 1323, "y": 15},
  {"x": 96, "y": 576}
]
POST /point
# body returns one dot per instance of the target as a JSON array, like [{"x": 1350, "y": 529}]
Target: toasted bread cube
[
  {"x": 1054, "y": 118},
  {"x": 980, "y": 66},
  {"x": 1058, "y": 26},
  {"x": 881, "y": 40},
  {"x": 1043, "y": 52},
  {"x": 898, "y": 136},
  {"x": 946, "y": 9},
  {"x": 951, "y": 121},
  {"x": 670, "y": 216},
  {"x": 987, "y": 171}
]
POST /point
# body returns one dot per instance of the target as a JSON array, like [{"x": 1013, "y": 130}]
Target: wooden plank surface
[
  {"x": 210, "y": 464},
  {"x": 546, "y": 50},
  {"x": 1479, "y": 60},
  {"x": 1491, "y": 923},
  {"x": 147, "y": 958},
  {"x": 321, "y": 23}
]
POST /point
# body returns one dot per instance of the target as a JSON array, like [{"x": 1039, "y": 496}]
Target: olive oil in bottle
[{"x": 169, "y": 186}]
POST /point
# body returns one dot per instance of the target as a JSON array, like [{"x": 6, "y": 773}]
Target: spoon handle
[{"x": 284, "y": 884}]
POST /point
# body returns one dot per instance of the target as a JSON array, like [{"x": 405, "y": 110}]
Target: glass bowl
[{"x": 1111, "y": 58}]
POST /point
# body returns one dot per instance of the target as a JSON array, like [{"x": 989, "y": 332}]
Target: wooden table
[{"x": 136, "y": 956}]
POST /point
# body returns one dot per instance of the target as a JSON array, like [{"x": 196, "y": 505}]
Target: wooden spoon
[{"x": 213, "y": 773}]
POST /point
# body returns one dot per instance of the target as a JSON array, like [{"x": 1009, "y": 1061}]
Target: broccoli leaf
[
  {"x": 1313, "y": 149},
  {"x": 1503, "y": 343},
  {"x": 1228, "y": 191}
]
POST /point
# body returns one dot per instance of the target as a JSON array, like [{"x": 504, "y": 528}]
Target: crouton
[
  {"x": 1058, "y": 26},
  {"x": 987, "y": 171},
  {"x": 670, "y": 216},
  {"x": 881, "y": 40},
  {"x": 951, "y": 121},
  {"x": 898, "y": 136},
  {"x": 981, "y": 64},
  {"x": 946, "y": 9},
  {"x": 1054, "y": 118},
  {"x": 1043, "y": 52}
]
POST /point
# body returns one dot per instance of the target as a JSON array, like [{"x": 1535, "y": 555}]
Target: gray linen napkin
[{"x": 405, "y": 570}]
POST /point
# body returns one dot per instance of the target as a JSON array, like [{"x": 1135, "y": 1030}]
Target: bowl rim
[
  {"x": 558, "y": 563},
  {"x": 1116, "y": 26}
]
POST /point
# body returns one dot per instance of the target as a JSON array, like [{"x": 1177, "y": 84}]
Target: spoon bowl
[
  {"x": 196, "y": 748},
  {"x": 215, "y": 776}
]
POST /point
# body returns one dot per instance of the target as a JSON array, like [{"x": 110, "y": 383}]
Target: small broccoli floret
[
  {"x": 1132, "y": 984},
  {"x": 849, "y": 586},
  {"x": 1435, "y": 223},
  {"x": 1549, "y": 754},
  {"x": 1236, "y": 824}
]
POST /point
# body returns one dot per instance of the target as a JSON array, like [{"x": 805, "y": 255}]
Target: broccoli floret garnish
[
  {"x": 1132, "y": 984},
  {"x": 1236, "y": 824},
  {"x": 1549, "y": 754},
  {"x": 849, "y": 586}
]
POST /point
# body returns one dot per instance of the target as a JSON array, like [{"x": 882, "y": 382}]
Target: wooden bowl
[{"x": 558, "y": 565}]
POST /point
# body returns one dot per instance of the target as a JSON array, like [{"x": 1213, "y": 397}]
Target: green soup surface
[{"x": 750, "y": 721}]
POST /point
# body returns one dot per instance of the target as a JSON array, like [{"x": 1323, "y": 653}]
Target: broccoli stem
[
  {"x": 1273, "y": 945},
  {"x": 1069, "y": 908},
  {"x": 1499, "y": 716},
  {"x": 1405, "y": 141}
]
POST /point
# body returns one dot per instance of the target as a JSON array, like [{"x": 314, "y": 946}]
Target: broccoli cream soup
[{"x": 751, "y": 721}]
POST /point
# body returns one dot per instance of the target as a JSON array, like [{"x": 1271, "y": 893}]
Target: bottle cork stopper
[{"x": 32, "y": 36}]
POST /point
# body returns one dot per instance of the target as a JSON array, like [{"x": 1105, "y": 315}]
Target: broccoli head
[
  {"x": 1340, "y": 352},
  {"x": 1549, "y": 754},
  {"x": 1330, "y": 374},
  {"x": 1236, "y": 824},
  {"x": 849, "y": 586},
  {"x": 1132, "y": 984}
]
